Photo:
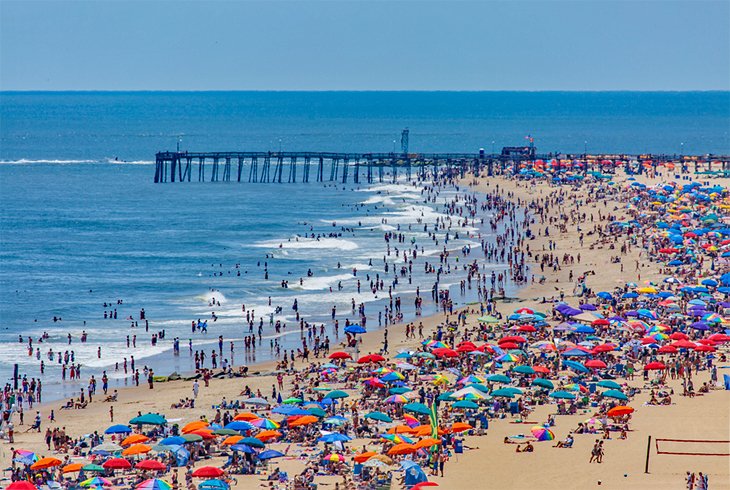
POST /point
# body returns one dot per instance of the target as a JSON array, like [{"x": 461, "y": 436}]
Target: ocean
[{"x": 82, "y": 224}]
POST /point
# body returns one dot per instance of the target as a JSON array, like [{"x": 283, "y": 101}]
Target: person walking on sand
[
  {"x": 111, "y": 413},
  {"x": 594, "y": 452},
  {"x": 689, "y": 481}
]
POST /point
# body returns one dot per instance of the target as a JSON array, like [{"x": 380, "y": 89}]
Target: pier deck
[{"x": 291, "y": 167}]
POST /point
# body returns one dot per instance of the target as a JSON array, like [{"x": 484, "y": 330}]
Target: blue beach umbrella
[{"x": 118, "y": 429}]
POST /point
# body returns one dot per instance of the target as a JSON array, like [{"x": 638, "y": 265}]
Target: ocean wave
[{"x": 301, "y": 243}]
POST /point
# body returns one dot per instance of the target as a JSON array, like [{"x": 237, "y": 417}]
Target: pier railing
[{"x": 279, "y": 167}]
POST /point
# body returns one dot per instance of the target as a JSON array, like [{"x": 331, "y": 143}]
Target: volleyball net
[{"x": 692, "y": 447}]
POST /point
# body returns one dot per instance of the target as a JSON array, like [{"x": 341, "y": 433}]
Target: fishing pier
[{"x": 292, "y": 167}]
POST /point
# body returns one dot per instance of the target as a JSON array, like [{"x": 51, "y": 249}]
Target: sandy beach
[{"x": 487, "y": 462}]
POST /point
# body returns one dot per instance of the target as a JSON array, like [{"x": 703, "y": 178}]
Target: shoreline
[{"x": 703, "y": 417}]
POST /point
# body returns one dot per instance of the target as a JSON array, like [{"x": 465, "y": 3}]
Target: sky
[{"x": 368, "y": 45}]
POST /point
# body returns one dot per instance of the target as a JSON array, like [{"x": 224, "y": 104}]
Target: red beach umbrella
[
  {"x": 445, "y": 352},
  {"x": 526, "y": 328},
  {"x": 600, "y": 322},
  {"x": 117, "y": 464},
  {"x": 150, "y": 464},
  {"x": 517, "y": 339},
  {"x": 370, "y": 358},
  {"x": 683, "y": 344},
  {"x": 667, "y": 349},
  {"x": 595, "y": 364},
  {"x": 208, "y": 472},
  {"x": 340, "y": 355},
  {"x": 21, "y": 485},
  {"x": 678, "y": 336},
  {"x": 655, "y": 366}
]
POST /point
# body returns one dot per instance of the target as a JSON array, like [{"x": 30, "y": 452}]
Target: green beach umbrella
[
  {"x": 292, "y": 400},
  {"x": 417, "y": 408},
  {"x": 379, "y": 416},
  {"x": 149, "y": 419},
  {"x": 192, "y": 437},
  {"x": 503, "y": 392},
  {"x": 479, "y": 387},
  {"x": 465, "y": 404},
  {"x": 607, "y": 383},
  {"x": 317, "y": 412},
  {"x": 563, "y": 395},
  {"x": 399, "y": 390},
  {"x": 615, "y": 394},
  {"x": 445, "y": 397},
  {"x": 225, "y": 432},
  {"x": 499, "y": 378},
  {"x": 488, "y": 319},
  {"x": 93, "y": 467},
  {"x": 334, "y": 394},
  {"x": 543, "y": 383},
  {"x": 523, "y": 369}
]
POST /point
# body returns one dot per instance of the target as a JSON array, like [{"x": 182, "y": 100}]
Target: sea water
[{"x": 82, "y": 224}]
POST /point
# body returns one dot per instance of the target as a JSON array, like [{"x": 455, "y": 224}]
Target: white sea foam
[{"x": 301, "y": 243}]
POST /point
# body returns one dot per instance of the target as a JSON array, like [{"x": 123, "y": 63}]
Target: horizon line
[{"x": 723, "y": 90}]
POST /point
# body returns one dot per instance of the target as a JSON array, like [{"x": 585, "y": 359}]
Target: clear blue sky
[{"x": 372, "y": 45}]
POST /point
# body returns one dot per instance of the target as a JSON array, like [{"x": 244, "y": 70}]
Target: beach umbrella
[
  {"x": 503, "y": 392},
  {"x": 619, "y": 411},
  {"x": 523, "y": 369},
  {"x": 542, "y": 433},
  {"x": 72, "y": 468},
  {"x": 173, "y": 441},
  {"x": 154, "y": 484},
  {"x": 243, "y": 448},
  {"x": 96, "y": 482},
  {"x": 615, "y": 394},
  {"x": 149, "y": 419},
  {"x": 562, "y": 395},
  {"x": 334, "y": 394},
  {"x": 224, "y": 432},
  {"x": 379, "y": 416},
  {"x": 21, "y": 485},
  {"x": 576, "y": 366},
  {"x": 428, "y": 442},
  {"x": 150, "y": 464},
  {"x": 239, "y": 425},
  {"x": 354, "y": 329},
  {"x": 117, "y": 464},
  {"x": 543, "y": 383},
  {"x": 214, "y": 484},
  {"x": 270, "y": 454},
  {"x": 400, "y": 390},
  {"x": 340, "y": 355},
  {"x": 465, "y": 404},
  {"x": 334, "y": 437},
  {"x": 265, "y": 424},
  {"x": 45, "y": 463},
  {"x": 370, "y": 358},
  {"x": 256, "y": 401},
  {"x": 229, "y": 441},
  {"x": 396, "y": 399},
  {"x": 303, "y": 420},
  {"x": 208, "y": 472},
  {"x": 317, "y": 412},
  {"x": 595, "y": 364},
  {"x": 499, "y": 378},
  {"x": 118, "y": 429},
  {"x": 402, "y": 448},
  {"x": 667, "y": 349},
  {"x": 192, "y": 437},
  {"x": 292, "y": 400},
  {"x": 607, "y": 383},
  {"x": 362, "y": 457},
  {"x": 459, "y": 427},
  {"x": 193, "y": 426},
  {"x": 94, "y": 467},
  {"x": 134, "y": 439},
  {"x": 417, "y": 408},
  {"x": 253, "y": 442},
  {"x": 137, "y": 449},
  {"x": 655, "y": 366},
  {"x": 424, "y": 484},
  {"x": 334, "y": 458}
]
